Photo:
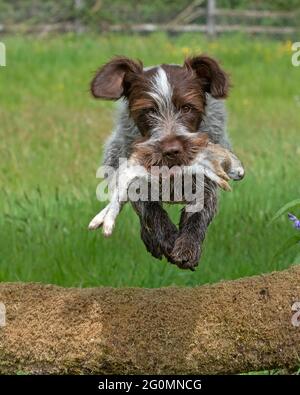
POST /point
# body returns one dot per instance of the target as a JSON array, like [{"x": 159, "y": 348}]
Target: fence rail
[
  {"x": 148, "y": 28},
  {"x": 241, "y": 13},
  {"x": 144, "y": 28}
]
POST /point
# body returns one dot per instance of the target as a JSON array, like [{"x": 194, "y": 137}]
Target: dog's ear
[
  {"x": 112, "y": 79},
  {"x": 213, "y": 79}
]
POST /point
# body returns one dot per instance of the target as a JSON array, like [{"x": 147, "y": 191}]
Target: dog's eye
[
  {"x": 186, "y": 109},
  {"x": 151, "y": 111}
]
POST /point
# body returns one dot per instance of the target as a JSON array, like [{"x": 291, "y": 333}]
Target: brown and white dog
[{"x": 170, "y": 115}]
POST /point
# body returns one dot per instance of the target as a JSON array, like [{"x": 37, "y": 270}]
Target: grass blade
[
  {"x": 285, "y": 208},
  {"x": 288, "y": 244}
]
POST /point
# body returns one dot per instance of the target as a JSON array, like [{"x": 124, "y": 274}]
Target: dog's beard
[{"x": 149, "y": 154}]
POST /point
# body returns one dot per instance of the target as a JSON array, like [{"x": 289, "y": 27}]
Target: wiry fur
[
  {"x": 159, "y": 234},
  {"x": 200, "y": 74}
]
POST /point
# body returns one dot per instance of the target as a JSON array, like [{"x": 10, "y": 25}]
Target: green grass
[{"x": 51, "y": 136}]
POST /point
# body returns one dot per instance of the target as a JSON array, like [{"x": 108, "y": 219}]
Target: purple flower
[{"x": 295, "y": 220}]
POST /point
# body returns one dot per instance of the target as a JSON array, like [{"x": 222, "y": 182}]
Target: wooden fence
[
  {"x": 199, "y": 16},
  {"x": 185, "y": 21}
]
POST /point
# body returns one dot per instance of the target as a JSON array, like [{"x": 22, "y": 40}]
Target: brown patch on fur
[
  {"x": 191, "y": 98},
  {"x": 187, "y": 88},
  {"x": 213, "y": 79},
  {"x": 223, "y": 157},
  {"x": 141, "y": 103},
  {"x": 112, "y": 79}
]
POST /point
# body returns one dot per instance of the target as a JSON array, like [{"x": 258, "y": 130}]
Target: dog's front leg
[
  {"x": 157, "y": 230},
  {"x": 192, "y": 229}
]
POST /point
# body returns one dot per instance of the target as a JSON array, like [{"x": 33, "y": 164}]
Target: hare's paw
[
  {"x": 108, "y": 225},
  {"x": 98, "y": 220},
  {"x": 220, "y": 181}
]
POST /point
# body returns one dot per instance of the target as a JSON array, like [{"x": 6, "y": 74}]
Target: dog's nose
[{"x": 172, "y": 148}]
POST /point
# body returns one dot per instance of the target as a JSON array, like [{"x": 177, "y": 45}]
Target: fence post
[
  {"x": 2, "y": 54},
  {"x": 211, "y": 26},
  {"x": 78, "y": 5}
]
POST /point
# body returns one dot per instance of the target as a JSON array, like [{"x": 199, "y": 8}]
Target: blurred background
[
  {"x": 52, "y": 133},
  {"x": 210, "y": 16}
]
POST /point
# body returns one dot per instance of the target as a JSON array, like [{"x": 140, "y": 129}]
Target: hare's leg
[
  {"x": 221, "y": 182},
  {"x": 211, "y": 170},
  {"x": 110, "y": 212},
  {"x": 107, "y": 217},
  {"x": 120, "y": 195},
  {"x": 118, "y": 199},
  {"x": 97, "y": 221},
  {"x": 224, "y": 163}
]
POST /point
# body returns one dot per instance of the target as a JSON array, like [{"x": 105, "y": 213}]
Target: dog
[{"x": 163, "y": 111}]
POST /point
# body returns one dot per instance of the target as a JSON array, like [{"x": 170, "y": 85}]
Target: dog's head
[{"x": 167, "y": 102}]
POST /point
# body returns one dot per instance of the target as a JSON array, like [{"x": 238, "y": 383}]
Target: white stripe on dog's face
[
  {"x": 165, "y": 121},
  {"x": 161, "y": 90}
]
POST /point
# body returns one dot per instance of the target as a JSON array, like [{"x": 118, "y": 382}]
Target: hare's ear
[
  {"x": 111, "y": 79},
  {"x": 213, "y": 79}
]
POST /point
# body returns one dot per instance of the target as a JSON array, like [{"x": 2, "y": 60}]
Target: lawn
[{"x": 51, "y": 137}]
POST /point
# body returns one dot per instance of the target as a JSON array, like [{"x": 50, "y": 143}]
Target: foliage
[{"x": 295, "y": 239}]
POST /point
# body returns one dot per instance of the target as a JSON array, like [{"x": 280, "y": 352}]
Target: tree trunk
[{"x": 229, "y": 327}]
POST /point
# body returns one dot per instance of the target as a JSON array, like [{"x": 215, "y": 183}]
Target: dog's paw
[{"x": 185, "y": 254}]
